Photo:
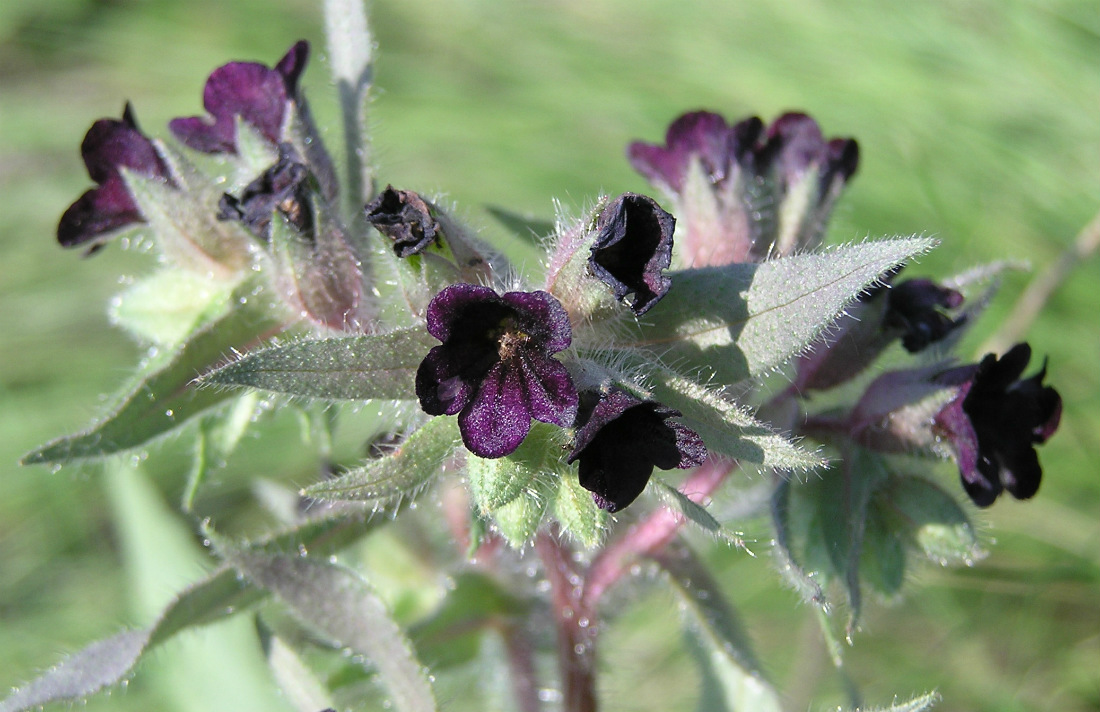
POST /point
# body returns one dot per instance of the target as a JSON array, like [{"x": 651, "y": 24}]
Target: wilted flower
[
  {"x": 110, "y": 145},
  {"x": 744, "y": 193},
  {"x": 632, "y": 249},
  {"x": 283, "y": 187},
  {"x": 258, "y": 94},
  {"x": 405, "y": 218},
  {"x": 994, "y": 423},
  {"x": 622, "y": 438},
  {"x": 494, "y": 367}
]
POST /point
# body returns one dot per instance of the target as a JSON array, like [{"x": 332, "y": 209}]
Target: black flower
[
  {"x": 258, "y": 94},
  {"x": 109, "y": 145},
  {"x": 633, "y": 247},
  {"x": 622, "y": 438},
  {"x": 494, "y": 367},
  {"x": 405, "y": 218},
  {"x": 283, "y": 187},
  {"x": 994, "y": 423},
  {"x": 914, "y": 306}
]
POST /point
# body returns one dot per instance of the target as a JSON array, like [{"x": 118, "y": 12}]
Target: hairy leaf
[
  {"x": 169, "y": 304},
  {"x": 496, "y": 482},
  {"x": 933, "y": 520},
  {"x": 577, "y": 512},
  {"x": 742, "y": 320},
  {"x": 398, "y": 474},
  {"x": 341, "y": 605},
  {"x": 726, "y": 428},
  {"x": 218, "y": 596},
  {"x": 382, "y": 366},
  {"x": 298, "y": 683},
  {"x": 164, "y": 396},
  {"x": 920, "y": 703},
  {"x": 734, "y": 679},
  {"x": 695, "y": 513}
]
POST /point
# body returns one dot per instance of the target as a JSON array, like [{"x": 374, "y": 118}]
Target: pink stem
[
  {"x": 576, "y": 631},
  {"x": 648, "y": 536}
]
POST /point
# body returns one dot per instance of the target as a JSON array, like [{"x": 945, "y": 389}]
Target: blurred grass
[{"x": 979, "y": 123}]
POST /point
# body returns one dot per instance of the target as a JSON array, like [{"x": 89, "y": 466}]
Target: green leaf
[
  {"x": 186, "y": 229},
  {"x": 497, "y": 481},
  {"x": 884, "y": 556},
  {"x": 350, "y": 368},
  {"x": 695, "y": 513},
  {"x": 743, "y": 320},
  {"x": 920, "y": 703},
  {"x": 734, "y": 679},
  {"x": 726, "y": 428},
  {"x": 220, "y": 595},
  {"x": 451, "y": 635},
  {"x": 399, "y": 474},
  {"x": 518, "y": 520},
  {"x": 169, "y": 304},
  {"x": 164, "y": 395},
  {"x": 298, "y": 683},
  {"x": 218, "y": 434},
  {"x": 934, "y": 520},
  {"x": 342, "y": 606},
  {"x": 789, "y": 517},
  {"x": 577, "y": 512}
]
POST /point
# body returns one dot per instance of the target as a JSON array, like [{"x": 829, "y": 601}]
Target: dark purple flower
[
  {"x": 621, "y": 440},
  {"x": 284, "y": 187},
  {"x": 494, "y": 367},
  {"x": 256, "y": 93},
  {"x": 405, "y": 218},
  {"x": 633, "y": 246},
  {"x": 111, "y": 144},
  {"x": 914, "y": 306},
  {"x": 737, "y": 209},
  {"x": 994, "y": 423},
  {"x": 702, "y": 136}
]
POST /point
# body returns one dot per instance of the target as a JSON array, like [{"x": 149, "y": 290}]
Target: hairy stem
[
  {"x": 576, "y": 629},
  {"x": 648, "y": 536}
]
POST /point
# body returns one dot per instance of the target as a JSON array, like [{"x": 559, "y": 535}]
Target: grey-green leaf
[
  {"x": 164, "y": 396},
  {"x": 742, "y": 320},
  {"x": 381, "y": 366},
  {"x": 695, "y": 513},
  {"x": 736, "y": 682},
  {"x": 935, "y": 520},
  {"x": 399, "y": 474},
  {"x": 342, "y": 606},
  {"x": 920, "y": 703},
  {"x": 726, "y": 428}
]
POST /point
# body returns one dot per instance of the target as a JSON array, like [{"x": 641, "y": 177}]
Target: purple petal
[
  {"x": 794, "y": 144},
  {"x": 292, "y": 65},
  {"x": 545, "y": 319},
  {"x": 438, "y": 386},
  {"x": 111, "y": 144},
  {"x": 449, "y": 305},
  {"x": 551, "y": 395},
  {"x": 98, "y": 212},
  {"x": 700, "y": 133},
  {"x": 498, "y": 418},
  {"x": 254, "y": 92}
]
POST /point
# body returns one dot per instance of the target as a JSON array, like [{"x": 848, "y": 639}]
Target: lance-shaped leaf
[
  {"x": 169, "y": 304},
  {"x": 298, "y": 683},
  {"x": 696, "y": 513},
  {"x": 726, "y": 428},
  {"x": 164, "y": 396},
  {"x": 788, "y": 523},
  {"x": 494, "y": 482},
  {"x": 218, "y": 596},
  {"x": 381, "y": 366},
  {"x": 576, "y": 511},
  {"x": 734, "y": 679},
  {"x": 742, "y": 320},
  {"x": 920, "y": 703},
  {"x": 931, "y": 519},
  {"x": 342, "y": 606},
  {"x": 399, "y": 474}
]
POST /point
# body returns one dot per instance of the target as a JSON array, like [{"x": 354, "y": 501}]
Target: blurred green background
[{"x": 979, "y": 123}]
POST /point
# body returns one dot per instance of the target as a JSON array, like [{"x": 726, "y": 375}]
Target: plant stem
[
  {"x": 521, "y": 662},
  {"x": 648, "y": 536},
  {"x": 1039, "y": 291},
  {"x": 576, "y": 629}
]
